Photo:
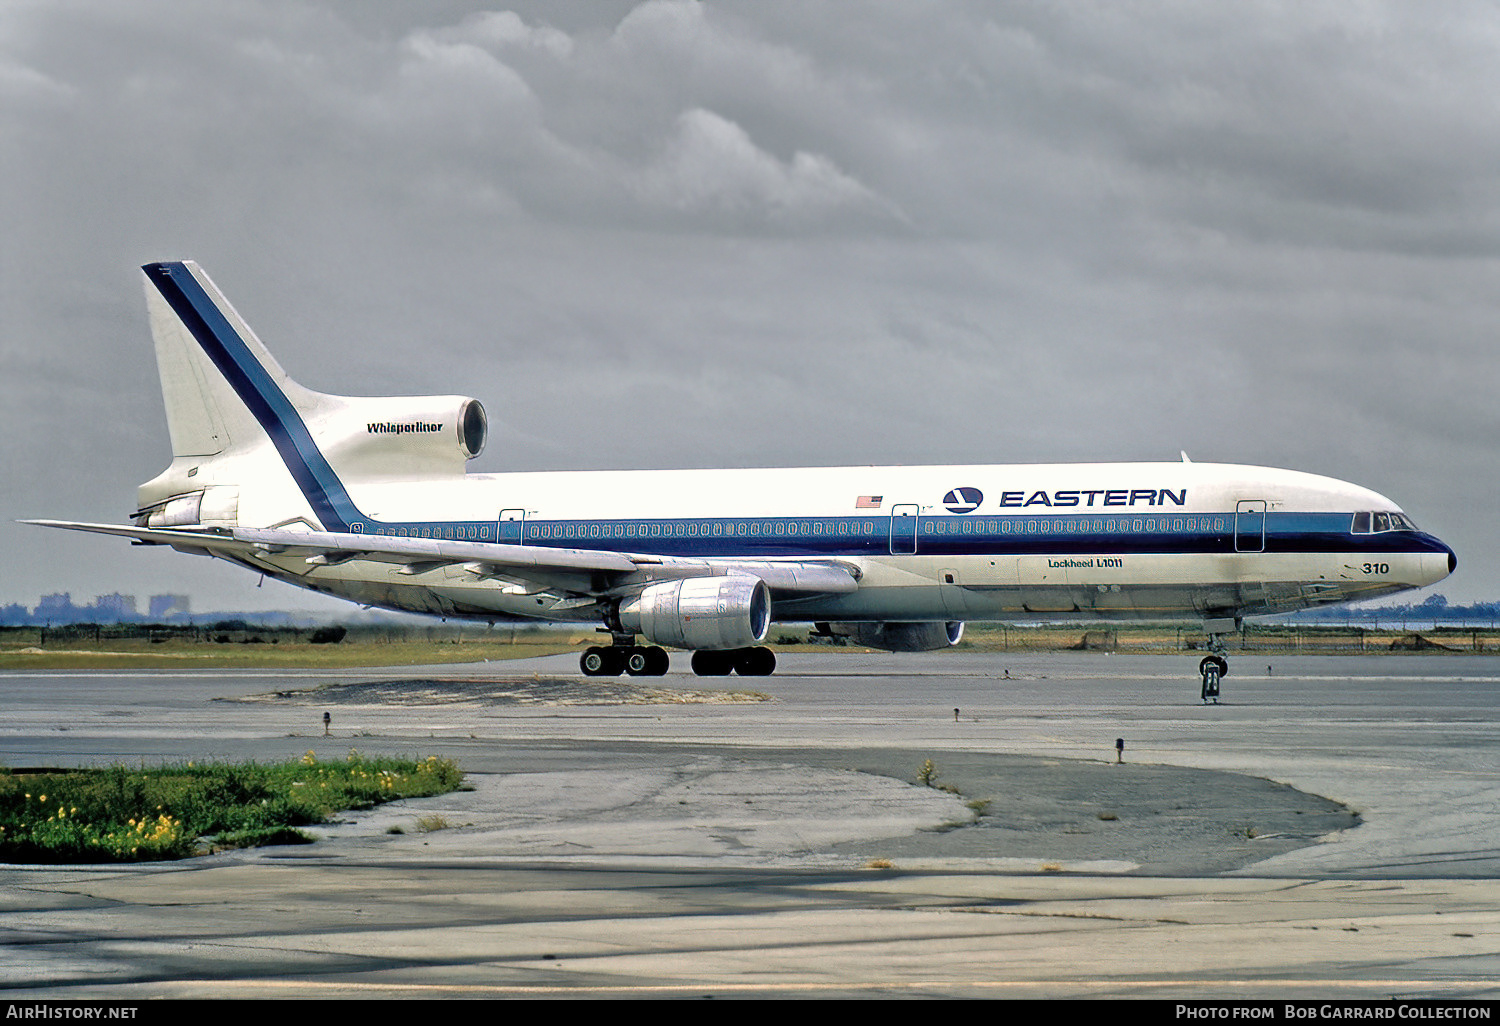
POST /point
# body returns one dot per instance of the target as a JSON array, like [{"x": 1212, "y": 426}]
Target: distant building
[
  {"x": 164, "y": 606},
  {"x": 115, "y": 608},
  {"x": 57, "y": 607}
]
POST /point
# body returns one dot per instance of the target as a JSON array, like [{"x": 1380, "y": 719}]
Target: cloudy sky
[{"x": 677, "y": 234}]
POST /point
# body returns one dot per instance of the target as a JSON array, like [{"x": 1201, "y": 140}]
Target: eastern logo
[{"x": 963, "y": 500}]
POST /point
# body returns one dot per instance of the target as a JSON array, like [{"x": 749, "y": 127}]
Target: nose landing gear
[{"x": 1214, "y": 666}]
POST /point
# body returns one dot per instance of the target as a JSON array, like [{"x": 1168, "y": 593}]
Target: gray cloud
[{"x": 680, "y": 234}]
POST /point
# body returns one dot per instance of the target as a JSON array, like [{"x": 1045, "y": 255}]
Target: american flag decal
[{"x": 869, "y": 501}]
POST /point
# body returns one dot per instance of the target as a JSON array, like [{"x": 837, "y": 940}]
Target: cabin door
[
  {"x": 904, "y": 529},
  {"x": 1250, "y": 525},
  {"x": 512, "y": 526}
]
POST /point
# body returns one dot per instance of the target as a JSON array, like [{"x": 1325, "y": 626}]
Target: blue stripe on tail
[{"x": 260, "y": 394}]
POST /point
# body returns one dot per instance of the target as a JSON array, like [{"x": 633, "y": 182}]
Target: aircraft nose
[
  {"x": 1443, "y": 548},
  {"x": 1434, "y": 566}
]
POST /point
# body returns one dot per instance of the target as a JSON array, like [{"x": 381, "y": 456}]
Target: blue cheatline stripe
[
  {"x": 260, "y": 394},
  {"x": 825, "y": 537}
]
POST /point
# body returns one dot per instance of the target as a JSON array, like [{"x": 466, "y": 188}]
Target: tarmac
[{"x": 1328, "y": 831}]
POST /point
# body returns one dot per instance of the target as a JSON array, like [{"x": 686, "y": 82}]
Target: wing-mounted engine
[
  {"x": 898, "y": 637},
  {"x": 701, "y": 613},
  {"x": 398, "y": 436}
]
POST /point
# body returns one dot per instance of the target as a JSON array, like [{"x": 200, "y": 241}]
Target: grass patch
[
  {"x": 172, "y": 812},
  {"x": 928, "y": 774},
  {"x": 131, "y": 655}
]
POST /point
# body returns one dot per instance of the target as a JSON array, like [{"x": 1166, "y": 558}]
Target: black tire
[
  {"x": 755, "y": 662},
  {"x": 1210, "y": 670},
  {"x": 597, "y": 661},
  {"x": 638, "y": 662},
  {"x": 657, "y": 661},
  {"x": 713, "y": 664},
  {"x": 594, "y": 662}
]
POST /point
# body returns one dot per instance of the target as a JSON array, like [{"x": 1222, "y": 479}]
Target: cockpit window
[{"x": 1379, "y": 522}]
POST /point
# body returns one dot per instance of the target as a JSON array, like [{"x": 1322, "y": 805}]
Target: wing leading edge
[{"x": 575, "y": 571}]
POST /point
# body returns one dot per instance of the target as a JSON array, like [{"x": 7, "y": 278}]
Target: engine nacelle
[
  {"x": 713, "y": 613},
  {"x": 399, "y": 435},
  {"x": 902, "y": 637}
]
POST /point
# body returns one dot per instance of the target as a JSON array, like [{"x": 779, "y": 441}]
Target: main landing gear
[
  {"x": 611, "y": 661},
  {"x": 747, "y": 662},
  {"x": 653, "y": 661}
]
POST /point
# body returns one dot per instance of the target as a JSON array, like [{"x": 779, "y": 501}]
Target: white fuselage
[{"x": 1131, "y": 540}]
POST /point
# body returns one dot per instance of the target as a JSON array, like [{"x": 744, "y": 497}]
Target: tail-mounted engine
[{"x": 375, "y": 437}]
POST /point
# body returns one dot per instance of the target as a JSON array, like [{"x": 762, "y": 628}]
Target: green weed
[{"x": 124, "y": 815}]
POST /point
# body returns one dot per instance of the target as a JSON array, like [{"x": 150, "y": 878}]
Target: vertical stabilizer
[
  {"x": 235, "y": 417},
  {"x": 205, "y": 414},
  {"x": 228, "y": 398}
]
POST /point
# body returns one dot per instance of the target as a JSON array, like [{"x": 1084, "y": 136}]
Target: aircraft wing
[{"x": 578, "y": 571}]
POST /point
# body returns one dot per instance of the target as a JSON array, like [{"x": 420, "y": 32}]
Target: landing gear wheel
[
  {"x": 647, "y": 662},
  {"x": 658, "y": 662},
  {"x": 601, "y": 662},
  {"x": 635, "y": 662},
  {"x": 755, "y": 662},
  {"x": 1212, "y": 669},
  {"x": 713, "y": 664}
]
